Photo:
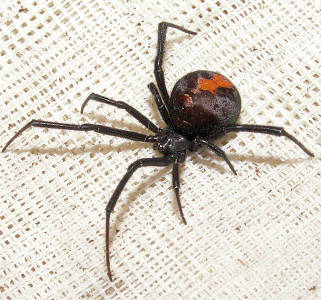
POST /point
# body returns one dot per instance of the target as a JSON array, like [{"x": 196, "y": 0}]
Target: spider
[{"x": 203, "y": 106}]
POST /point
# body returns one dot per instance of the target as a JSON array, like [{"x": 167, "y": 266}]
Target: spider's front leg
[
  {"x": 130, "y": 135},
  {"x": 176, "y": 187},
  {"x": 144, "y": 162}
]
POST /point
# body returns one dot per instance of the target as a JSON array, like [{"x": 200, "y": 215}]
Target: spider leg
[
  {"x": 160, "y": 104},
  {"x": 273, "y": 130},
  {"x": 158, "y": 71},
  {"x": 85, "y": 127},
  {"x": 176, "y": 187},
  {"x": 217, "y": 150},
  {"x": 144, "y": 162},
  {"x": 132, "y": 111}
]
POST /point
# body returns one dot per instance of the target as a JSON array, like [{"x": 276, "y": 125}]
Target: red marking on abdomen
[
  {"x": 217, "y": 81},
  {"x": 188, "y": 101}
]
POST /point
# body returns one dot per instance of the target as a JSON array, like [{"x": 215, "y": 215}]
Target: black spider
[{"x": 203, "y": 106}]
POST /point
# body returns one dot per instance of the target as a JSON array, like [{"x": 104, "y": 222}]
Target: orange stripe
[{"x": 212, "y": 84}]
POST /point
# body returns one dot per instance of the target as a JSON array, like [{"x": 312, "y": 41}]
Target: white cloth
[{"x": 251, "y": 236}]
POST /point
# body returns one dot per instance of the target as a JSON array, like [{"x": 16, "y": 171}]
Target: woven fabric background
[{"x": 251, "y": 236}]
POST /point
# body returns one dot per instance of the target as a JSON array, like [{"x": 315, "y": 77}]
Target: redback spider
[{"x": 203, "y": 106}]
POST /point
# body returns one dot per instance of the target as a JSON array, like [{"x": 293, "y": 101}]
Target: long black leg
[
  {"x": 158, "y": 71},
  {"x": 160, "y": 104},
  {"x": 144, "y": 162},
  {"x": 273, "y": 130},
  {"x": 217, "y": 150},
  {"x": 132, "y": 111},
  {"x": 176, "y": 187},
  {"x": 86, "y": 127}
]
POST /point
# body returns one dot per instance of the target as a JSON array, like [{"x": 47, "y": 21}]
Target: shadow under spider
[
  {"x": 106, "y": 149},
  {"x": 273, "y": 161},
  {"x": 101, "y": 148},
  {"x": 132, "y": 195}
]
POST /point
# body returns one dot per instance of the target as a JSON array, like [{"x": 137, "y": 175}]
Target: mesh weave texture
[{"x": 254, "y": 236}]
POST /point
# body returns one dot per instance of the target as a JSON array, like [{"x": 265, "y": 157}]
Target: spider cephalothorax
[
  {"x": 203, "y": 105},
  {"x": 170, "y": 142}
]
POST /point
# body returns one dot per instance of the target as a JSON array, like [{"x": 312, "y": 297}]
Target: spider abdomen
[{"x": 203, "y": 100}]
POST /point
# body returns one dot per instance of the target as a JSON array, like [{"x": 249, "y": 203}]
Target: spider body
[
  {"x": 202, "y": 101},
  {"x": 203, "y": 105},
  {"x": 170, "y": 142}
]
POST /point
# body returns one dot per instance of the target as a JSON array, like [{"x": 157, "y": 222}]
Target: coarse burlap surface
[{"x": 251, "y": 236}]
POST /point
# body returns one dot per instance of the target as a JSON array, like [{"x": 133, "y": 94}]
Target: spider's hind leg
[
  {"x": 158, "y": 71},
  {"x": 273, "y": 130},
  {"x": 160, "y": 104},
  {"x": 131, "y": 110}
]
